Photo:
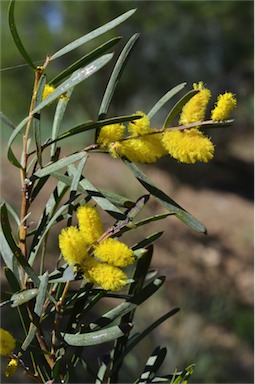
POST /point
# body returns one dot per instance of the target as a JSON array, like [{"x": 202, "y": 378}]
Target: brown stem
[{"x": 25, "y": 188}]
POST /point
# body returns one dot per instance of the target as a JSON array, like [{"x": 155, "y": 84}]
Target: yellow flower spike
[
  {"x": 225, "y": 104},
  {"x": 90, "y": 223},
  {"x": 7, "y": 342},
  {"x": 115, "y": 253},
  {"x": 48, "y": 90},
  {"x": 107, "y": 276},
  {"x": 111, "y": 133},
  {"x": 146, "y": 149},
  {"x": 188, "y": 146},
  {"x": 194, "y": 110},
  {"x": 73, "y": 245},
  {"x": 140, "y": 126},
  {"x": 11, "y": 367}
]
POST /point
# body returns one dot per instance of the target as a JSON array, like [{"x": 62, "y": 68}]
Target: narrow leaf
[
  {"x": 101, "y": 200},
  {"x": 13, "y": 281},
  {"x": 23, "y": 296},
  {"x": 92, "y": 35},
  {"x": 148, "y": 330},
  {"x": 97, "y": 337},
  {"x": 58, "y": 117},
  {"x": 65, "y": 161},
  {"x": 115, "y": 76},
  {"x": 152, "y": 365},
  {"x": 13, "y": 246},
  {"x": 30, "y": 336},
  {"x": 178, "y": 107},
  {"x": 165, "y": 99},
  {"x": 40, "y": 300},
  {"x": 37, "y": 119},
  {"x": 88, "y": 125},
  {"x": 112, "y": 315},
  {"x": 113, "y": 197},
  {"x": 75, "y": 79},
  {"x": 85, "y": 60},
  {"x": 7, "y": 121},
  {"x": 165, "y": 200},
  {"x": 148, "y": 240},
  {"x": 16, "y": 37}
]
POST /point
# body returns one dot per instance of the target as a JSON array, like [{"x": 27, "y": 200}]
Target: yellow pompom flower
[
  {"x": 140, "y": 126},
  {"x": 146, "y": 149},
  {"x": 194, "y": 110},
  {"x": 90, "y": 223},
  {"x": 111, "y": 133},
  {"x": 188, "y": 146},
  {"x": 7, "y": 342},
  {"x": 225, "y": 104},
  {"x": 105, "y": 275},
  {"x": 11, "y": 367},
  {"x": 73, "y": 245},
  {"x": 48, "y": 90},
  {"x": 115, "y": 253}
]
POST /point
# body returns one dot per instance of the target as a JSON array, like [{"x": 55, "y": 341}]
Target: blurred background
[{"x": 209, "y": 277}]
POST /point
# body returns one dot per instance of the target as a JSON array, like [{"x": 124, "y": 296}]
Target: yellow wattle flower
[
  {"x": 11, "y": 367},
  {"x": 7, "y": 342},
  {"x": 225, "y": 104},
  {"x": 48, "y": 90},
  {"x": 140, "y": 126},
  {"x": 194, "y": 110},
  {"x": 188, "y": 146},
  {"x": 115, "y": 253},
  {"x": 105, "y": 275},
  {"x": 73, "y": 245},
  {"x": 90, "y": 223},
  {"x": 111, "y": 133},
  {"x": 146, "y": 149}
]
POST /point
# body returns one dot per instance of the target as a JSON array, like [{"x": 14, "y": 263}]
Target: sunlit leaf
[
  {"x": 75, "y": 79},
  {"x": 85, "y": 60},
  {"x": 92, "y": 35},
  {"x": 178, "y": 107},
  {"x": 58, "y": 117},
  {"x": 115, "y": 76},
  {"x": 165, "y": 99},
  {"x": 65, "y": 161}
]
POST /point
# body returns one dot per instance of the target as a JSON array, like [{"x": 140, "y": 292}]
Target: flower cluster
[
  {"x": 146, "y": 145},
  {"x": 101, "y": 261},
  {"x": 7, "y": 345}
]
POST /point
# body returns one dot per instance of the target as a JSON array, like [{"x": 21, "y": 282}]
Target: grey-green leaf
[
  {"x": 65, "y": 161},
  {"x": 23, "y": 296},
  {"x": 97, "y": 337},
  {"x": 92, "y": 35},
  {"x": 165, "y": 200},
  {"x": 115, "y": 76}
]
